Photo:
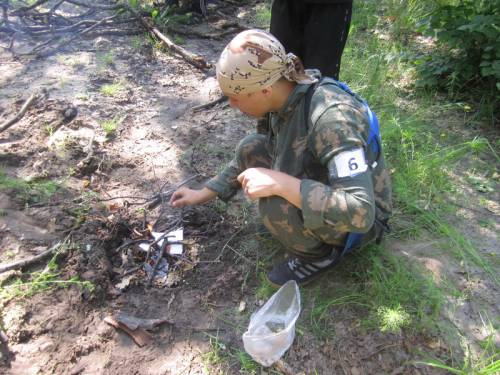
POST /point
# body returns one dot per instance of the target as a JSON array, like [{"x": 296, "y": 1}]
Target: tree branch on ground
[
  {"x": 28, "y": 262},
  {"x": 195, "y": 60},
  {"x": 21, "y": 113}
]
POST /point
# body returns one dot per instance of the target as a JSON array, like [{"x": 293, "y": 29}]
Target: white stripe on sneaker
[
  {"x": 311, "y": 267},
  {"x": 304, "y": 270}
]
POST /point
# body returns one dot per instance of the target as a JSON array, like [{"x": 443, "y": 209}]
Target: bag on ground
[{"x": 272, "y": 328}]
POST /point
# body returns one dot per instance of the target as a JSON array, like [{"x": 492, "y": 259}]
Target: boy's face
[{"x": 255, "y": 104}]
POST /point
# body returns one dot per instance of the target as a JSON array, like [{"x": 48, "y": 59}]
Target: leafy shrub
[{"x": 468, "y": 34}]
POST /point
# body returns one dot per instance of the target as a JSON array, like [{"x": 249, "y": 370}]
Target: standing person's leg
[
  {"x": 325, "y": 36},
  {"x": 287, "y": 24}
]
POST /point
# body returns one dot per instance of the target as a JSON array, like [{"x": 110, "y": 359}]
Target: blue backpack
[{"x": 354, "y": 239}]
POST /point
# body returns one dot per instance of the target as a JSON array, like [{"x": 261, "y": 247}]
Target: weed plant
[
  {"x": 110, "y": 126},
  {"x": 105, "y": 60},
  {"x": 111, "y": 89},
  {"x": 30, "y": 284}
]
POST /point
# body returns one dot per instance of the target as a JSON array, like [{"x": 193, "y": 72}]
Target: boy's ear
[{"x": 267, "y": 91}]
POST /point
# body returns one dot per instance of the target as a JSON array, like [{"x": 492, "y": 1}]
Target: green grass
[
  {"x": 385, "y": 292},
  {"x": 30, "y": 284},
  {"x": 262, "y": 16},
  {"x": 486, "y": 363},
  {"x": 105, "y": 59},
  {"x": 29, "y": 191},
  {"x": 223, "y": 358},
  {"x": 111, "y": 89},
  {"x": 422, "y": 132},
  {"x": 109, "y": 126}
]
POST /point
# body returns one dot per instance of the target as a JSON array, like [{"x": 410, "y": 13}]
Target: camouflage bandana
[{"x": 254, "y": 60}]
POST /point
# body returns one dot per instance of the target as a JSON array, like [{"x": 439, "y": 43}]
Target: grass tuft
[
  {"x": 393, "y": 319},
  {"x": 37, "y": 282},
  {"x": 29, "y": 191},
  {"x": 111, "y": 89}
]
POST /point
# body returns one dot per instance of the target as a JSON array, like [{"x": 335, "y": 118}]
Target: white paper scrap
[
  {"x": 144, "y": 246},
  {"x": 176, "y": 249},
  {"x": 175, "y": 235}
]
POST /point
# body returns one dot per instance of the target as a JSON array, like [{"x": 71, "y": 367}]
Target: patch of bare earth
[{"x": 158, "y": 140}]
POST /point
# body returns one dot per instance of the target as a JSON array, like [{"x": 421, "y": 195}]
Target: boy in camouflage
[{"x": 313, "y": 174}]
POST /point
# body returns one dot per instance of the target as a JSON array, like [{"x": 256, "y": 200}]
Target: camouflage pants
[{"x": 281, "y": 218}]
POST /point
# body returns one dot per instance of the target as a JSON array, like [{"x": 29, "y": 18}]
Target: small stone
[
  {"x": 46, "y": 346},
  {"x": 355, "y": 371},
  {"x": 242, "y": 306}
]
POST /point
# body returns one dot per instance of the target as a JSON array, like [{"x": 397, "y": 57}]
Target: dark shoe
[{"x": 300, "y": 271}]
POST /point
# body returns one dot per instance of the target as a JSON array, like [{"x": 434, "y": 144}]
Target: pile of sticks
[{"x": 55, "y": 25}]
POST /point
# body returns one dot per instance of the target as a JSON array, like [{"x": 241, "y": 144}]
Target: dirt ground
[{"x": 160, "y": 141}]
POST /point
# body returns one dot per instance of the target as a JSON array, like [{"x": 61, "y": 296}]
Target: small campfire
[{"x": 156, "y": 254}]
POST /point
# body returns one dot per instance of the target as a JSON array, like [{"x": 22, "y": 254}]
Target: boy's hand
[
  {"x": 188, "y": 197},
  {"x": 263, "y": 182}
]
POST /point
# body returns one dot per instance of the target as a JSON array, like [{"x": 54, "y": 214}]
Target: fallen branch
[
  {"x": 95, "y": 6},
  {"x": 25, "y": 9},
  {"x": 27, "y": 262},
  {"x": 198, "y": 34},
  {"x": 21, "y": 113},
  {"x": 195, "y": 60}
]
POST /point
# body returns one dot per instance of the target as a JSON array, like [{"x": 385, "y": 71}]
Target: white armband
[{"x": 348, "y": 163}]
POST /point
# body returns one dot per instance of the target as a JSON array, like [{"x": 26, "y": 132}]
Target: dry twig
[
  {"x": 21, "y": 113},
  {"x": 27, "y": 262}
]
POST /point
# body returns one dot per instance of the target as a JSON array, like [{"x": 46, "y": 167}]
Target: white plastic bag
[{"x": 272, "y": 328}]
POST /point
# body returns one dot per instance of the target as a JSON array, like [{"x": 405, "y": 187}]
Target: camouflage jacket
[{"x": 304, "y": 149}]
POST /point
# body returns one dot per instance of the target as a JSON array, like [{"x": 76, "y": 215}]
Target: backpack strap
[{"x": 353, "y": 239}]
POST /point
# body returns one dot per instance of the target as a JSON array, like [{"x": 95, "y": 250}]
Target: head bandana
[{"x": 254, "y": 60}]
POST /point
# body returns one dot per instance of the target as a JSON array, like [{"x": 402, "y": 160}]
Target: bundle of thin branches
[{"x": 55, "y": 25}]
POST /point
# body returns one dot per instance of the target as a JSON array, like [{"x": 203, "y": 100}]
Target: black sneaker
[{"x": 300, "y": 271}]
